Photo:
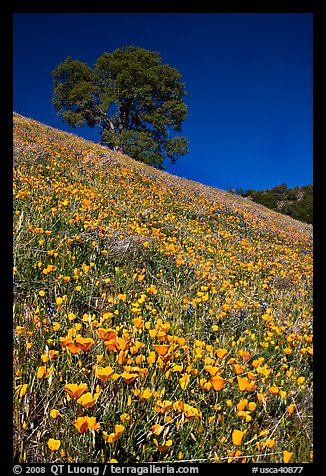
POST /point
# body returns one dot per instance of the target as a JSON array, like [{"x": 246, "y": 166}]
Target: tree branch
[{"x": 105, "y": 118}]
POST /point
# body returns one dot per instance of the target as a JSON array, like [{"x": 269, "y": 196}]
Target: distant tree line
[{"x": 296, "y": 202}]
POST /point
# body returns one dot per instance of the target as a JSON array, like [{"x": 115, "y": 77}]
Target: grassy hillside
[
  {"x": 296, "y": 202},
  {"x": 155, "y": 318}
]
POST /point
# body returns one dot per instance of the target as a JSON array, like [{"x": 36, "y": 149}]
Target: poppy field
[{"x": 155, "y": 319}]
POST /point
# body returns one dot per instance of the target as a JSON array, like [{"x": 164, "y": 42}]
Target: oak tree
[{"x": 134, "y": 99}]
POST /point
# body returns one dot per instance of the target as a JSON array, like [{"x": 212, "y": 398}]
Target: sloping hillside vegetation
[
  {"x": 296, "y": 202},
  {"x": 155, "y": 318}
]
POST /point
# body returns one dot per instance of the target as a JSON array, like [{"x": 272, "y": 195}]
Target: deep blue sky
[{"x": 248, "y": 78}]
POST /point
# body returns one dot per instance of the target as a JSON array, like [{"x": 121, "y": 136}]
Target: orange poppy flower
[
  {"x": 257, "y": 362},
  {"x": 88, "y": 400},
  {"x": 81, "y": 424},
  {"x": 64, "y": 341},
  {"x": 53, "y": 354},
  {"x": 300, "y": 380},
  {"x": 243, "y": 383},
  {"x": 122, "y": 356},
  {"x": 125, "y": 418},
  {"x": 111, "y": 344},
  {"x": 191, "y": 412},
  {"x": 75, "y": 390},
  {"x": 109, "y": 438},
  {"x": 41, "y": 371},
  {"x": 56, "y": 326},
  {"x": 21, "y": 389},
  {"x": 184, "y": 381},
  {"x": 145, "y": 394},
  {"x": 270, "y": 443},
  {"x": 287, "y": 455},
  {"x": 245, "y": 355},
  {"x": 122, "y": 344},
  {"x": 143, "y": 372},
  {"x": 128, "y": 377},
  {"x": 86, "y": 267},
  {"x": 106, "y": 334},
  {"x": 178, "y": 406},
  {"x": 74, "y": 349},
  {"x": 157, "y": 429},
  {"x": 238, "y": 368},
  {"x": 162, "y": 407},
  {"x": 118, "y": 430},
  {"x": 274, "y": 390},
  {"x": 151, "y": 358},
  {"x": 251, "y": 375},
  {"x": 262, "y": 397},
  {"x": 217, "y": 383},
  {"x": 291, "y": 408},
  {"x": 252, "y": 406},
  {"x": 165, "y": 447},
  {"x": 84, "y": 343},
  {"x": 237, "y": 457},
  {"x": 161, "y": 335},
  {"x": 104, "y": 373},
  {"x": 204, "y": 384},
  {"x": 112, "y": 437},
  {"x": 221, "y": 353},
  {"x": 53, "y": 444},
  {"x": 161, "y": 349},
  {"x": 242, "y": 404},
  {"x": 135, "y": 348},
  {"x": 138, "y": 322},
  {"x": 54, "y": 413},
  {"x": 251, "y": 386},
  {"x": 211, "y": 369},
  {"x": 237, "y": 437}
]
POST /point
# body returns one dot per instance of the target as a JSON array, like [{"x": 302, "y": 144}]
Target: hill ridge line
[{"x": 210, "y": 192}]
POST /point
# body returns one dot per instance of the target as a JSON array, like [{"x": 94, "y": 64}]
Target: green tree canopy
[{"x": 134, "y": 99}]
